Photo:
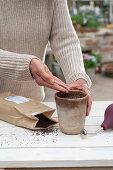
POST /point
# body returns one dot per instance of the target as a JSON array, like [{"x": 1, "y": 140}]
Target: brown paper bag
[{"x": 25, "y": 112}]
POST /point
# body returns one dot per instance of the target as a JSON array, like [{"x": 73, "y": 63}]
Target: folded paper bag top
[{"x": 25, "y": 112}]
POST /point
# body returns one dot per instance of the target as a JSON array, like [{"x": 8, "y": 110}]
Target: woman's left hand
[{"x": 81, "y": 84}]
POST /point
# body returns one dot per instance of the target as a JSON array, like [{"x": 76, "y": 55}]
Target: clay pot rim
[{"x": 86, "y": 96}]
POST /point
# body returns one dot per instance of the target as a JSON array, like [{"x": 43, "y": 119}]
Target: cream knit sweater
[{"x": 26, "y": 26}]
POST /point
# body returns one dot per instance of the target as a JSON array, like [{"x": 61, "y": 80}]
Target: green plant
[
  {"x": 85, "y": 20},
  {"x": 91, "y": 20},
  {"x": 89, "y": 64},
  {"x": 78, "y": 19},
  {"x": 91, "y": 61},
  {"x": 97, "y": 56}
]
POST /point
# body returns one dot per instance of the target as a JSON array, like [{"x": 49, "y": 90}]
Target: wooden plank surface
[
  {"x": 21, "y": 147},
  {"x": 58, "y": 157}
]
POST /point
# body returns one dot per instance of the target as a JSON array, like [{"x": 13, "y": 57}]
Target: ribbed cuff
[
  {"x": 15, "y": 66},
  {"x": 28, "y": 60},
  {"x": 78, "y": 76}
]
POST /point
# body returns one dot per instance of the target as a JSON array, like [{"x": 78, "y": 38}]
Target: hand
[
  {"x": 81, "y": 84},
  {"x": 44, "y": 77}
]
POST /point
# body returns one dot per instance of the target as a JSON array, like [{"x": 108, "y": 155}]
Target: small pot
[{"x": 71, "y": 109}]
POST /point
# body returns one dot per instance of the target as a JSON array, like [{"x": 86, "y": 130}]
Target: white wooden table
[{"x": 20, "y": 147}]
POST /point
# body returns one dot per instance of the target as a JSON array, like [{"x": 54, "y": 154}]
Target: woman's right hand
[{"x": 44, "y": 77}]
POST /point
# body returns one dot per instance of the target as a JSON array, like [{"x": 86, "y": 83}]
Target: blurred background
[{"x": 93, "y": 22}]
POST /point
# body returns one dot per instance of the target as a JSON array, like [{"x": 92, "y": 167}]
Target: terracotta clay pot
[{"x": 71, "y": 109}]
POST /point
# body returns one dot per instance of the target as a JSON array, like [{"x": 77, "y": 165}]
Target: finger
[
  {"x": 86, "y": 90},
  {"x": 89, "y": 104},
  {"x": 60, "y": 88},
  {"x": 38, "y": 80},
  {"x": 57, "y": 79},
  {"x": 41, "y": 82},
  {"x": 46, "y": 77},
  {"x": 75, "y": 87},
  {"x": 61, "y": 82}
]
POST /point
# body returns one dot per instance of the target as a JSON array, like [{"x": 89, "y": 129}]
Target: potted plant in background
[
  {"x": 86, "y": 19},
  {"x": 91, "y": 61}
]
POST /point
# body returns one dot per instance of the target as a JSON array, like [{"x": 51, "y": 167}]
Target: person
[{"x": 25, "y": 28}]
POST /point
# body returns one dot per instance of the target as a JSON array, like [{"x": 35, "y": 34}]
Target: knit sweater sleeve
[
  {"x": 15, "y": 66},
  {"x": 65, "y": 44}
]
